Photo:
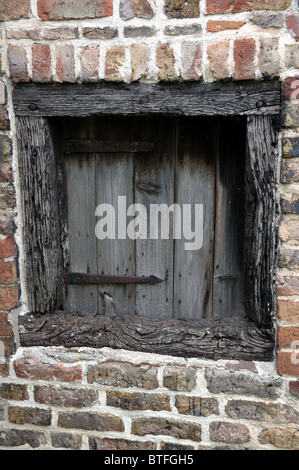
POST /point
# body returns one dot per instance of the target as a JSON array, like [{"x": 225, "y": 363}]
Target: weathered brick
[
  {"x": 41, "y": 63},
  {"x": 221, "y": 381},
  {"x": 218, "y": 56},
  {"x": 292, "y": 55},
  {"x": 20, "y": 437},
  {"x": 129, "y": 9},
  {"x": 115, "y": 57},
  {"x": 9, "y": 297},
  {"x": 270, "y": 20},
  {"x": 191, "y": 60},
  {"x": 61, "y": 33},
  {"x": 33, "y": 368},
  {"x": 5, "y": 326},
  {"x": 97, "y": 443},
  {"x": 23, "y": 34},
  {"x": 123, "y": 375},
  {"x": 17, "y": 63},
  {"x": 174, "y": 447},
  {"x": 8, "y": 272},
  {"x": 5, "y": 149},
  {"x": 288, "y": 286},
  {"x": 4, "y": 120},
  {"x": 7, "y": 196},
  {"x": 196, "y": 406},
  {"x": 15, "y": 392},
  {"x": 290, "y": 204},
  {"x": 229, "y": 432},
  {"x": 290, "y": 114},
  {"x": 287, "y": 335},
  {"x": 289, "y": 228},
  {"x": 140, "y": 54},
  {"x": 294, "y": 388},
  {"x": 2, "y": 413},
  {"x": 290, "y": 145},
  {"x": 139, "y": 31},
  {"x": 166, "y": 62},
  {"x": 9, "y": 346},
  {"x": 288, "y": 258},
  {"x": 72, "y": 9},
  {"x": 287, "y": 309},
  {"x": 7, "y": 222},
  {"x": 6, "y": 173},
  {"x": 65, "y": 63},
  {"x": 283, "y": 438},
  {"x": 293, "y": 25},
  {"x": 266, "y": 412},
  {"x": 244, "y": 56},
  {"x": 68, "y": 397},
  {"x": 181, "y": 9},
  {"x": 7, "y": 247},
  {"x": 66, "y": 441},
  {"x": 288, "y": 363},
  {"x": 189, "y": 29},
  {"x": 237, "y": 6},
  {"x": 291, "y": 88},
  {"x": 14, "y": 9},
  {"x": 241, "y": 365},
  {"x": 26, "y": 415},
  {"x": 90, "y": 61},
  {"x": 269, "y": 57},
  {"x": 222, "y": 25},
  {"x": 289, "y": 171},
  {"x": 2, "y": 93},
  {"x": 179, "y": 379},
  {"x": 138, "y": 401},
  {"x": 100, "y": 33},
  {"x": 90, "y": 421},
  {"x": 167, "y": 427}
]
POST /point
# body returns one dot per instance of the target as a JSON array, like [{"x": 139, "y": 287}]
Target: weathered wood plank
[
  {"x": 190, "y": 99},
  {"x": 228, "y": 286},
  {"x": 104, "y": 146},
  {"x": 260, "y": 229},
  {"x": 232, "y": 339},
  {"x": 195, "y": 185},
  {"x": 40, "y": 215}
]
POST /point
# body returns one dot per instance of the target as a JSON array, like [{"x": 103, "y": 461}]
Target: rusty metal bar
[{"x": 82, "y": 278}]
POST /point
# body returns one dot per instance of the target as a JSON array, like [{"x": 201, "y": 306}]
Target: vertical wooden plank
[
  {"x": 114, "y": 178},
  {"x": 228, "y": 290},
  {"x": 81, "y": 183},
  {"x": 195, "y": 184},
  {"x": 154, "y": 185},
  {"x": 41, "y": 228},
  {"x": 260, "y": 232}
]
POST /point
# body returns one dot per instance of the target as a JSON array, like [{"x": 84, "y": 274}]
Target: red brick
[
  {"x": 237, "y": 6},
  {"x": 244, "y": 54},
  {"x": 294, "y": 388},
  {"x": 293, "y": 25},
  {"x": 90, "y": 421},
  {"x": 9, "y": 296},
  {"x": 89, "y": 58},
  {"x": 288, "y": 363},
  {"x": 222, "y": 25},
  {"x": 8, "y": 272},
  {"x": 65, "y": 65},
  {"x": 229, "y": 432},
  {"x": 288, "y": 310},
  {"x": 287, "y": 335},
  {"x": 41, "y": 63},
  {"x": 291, "y": 88},
  {"x": 32, "y": 368},
  {"x": 5, "y": 326},
  {"x": 17, "y": 61},
  {"x": 14, "y": 9},
  {"x": 218, "y": 59},
  {"x": 7, "y": 247},
  {"x": 72, "y": 9},
  {"x": 135, "y": 8}
]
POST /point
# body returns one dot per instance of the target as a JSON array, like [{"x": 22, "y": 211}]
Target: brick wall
[{"x": 51, "y": 398}]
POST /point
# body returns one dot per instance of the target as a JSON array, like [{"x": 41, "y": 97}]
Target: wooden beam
[
  {"x": 260, "y": 227},
  {"x": 189, "y": 99},
  {"x": 40, "y": 215},
  {"x": 210, "y": 339}
]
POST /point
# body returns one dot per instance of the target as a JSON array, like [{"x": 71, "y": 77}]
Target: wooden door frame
[{"x": 44, "y": 219}]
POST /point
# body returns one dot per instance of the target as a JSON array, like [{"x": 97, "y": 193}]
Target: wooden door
[{"x": 153, "y": 162}]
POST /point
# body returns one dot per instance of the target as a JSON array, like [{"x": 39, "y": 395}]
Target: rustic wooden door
[{"x": 149, "y": 162}]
